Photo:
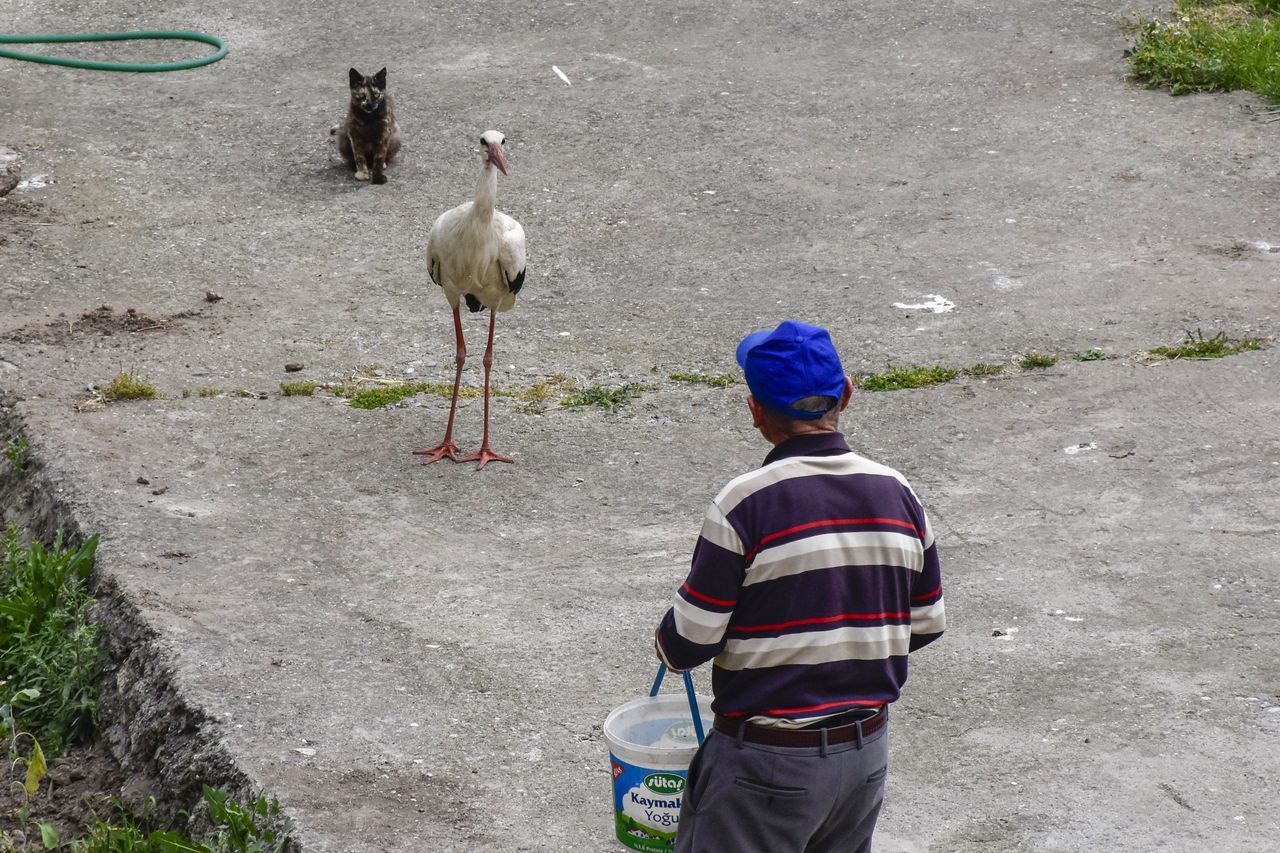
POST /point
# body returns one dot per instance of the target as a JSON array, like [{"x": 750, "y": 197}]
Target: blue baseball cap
[{"x": 791, "y": 362}]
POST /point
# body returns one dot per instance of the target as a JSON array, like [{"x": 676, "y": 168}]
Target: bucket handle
[{"x": 693, "y": 699}]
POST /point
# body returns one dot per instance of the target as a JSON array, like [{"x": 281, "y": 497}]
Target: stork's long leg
[
  {"x": 447, "y": 447},
  {"x": 486, "y": 455}
]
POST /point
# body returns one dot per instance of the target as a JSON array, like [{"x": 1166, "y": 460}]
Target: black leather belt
[{"x": 770, "y": 736}]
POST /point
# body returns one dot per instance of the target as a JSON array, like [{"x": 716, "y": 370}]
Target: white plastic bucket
[{"x": 651, "y": 742}]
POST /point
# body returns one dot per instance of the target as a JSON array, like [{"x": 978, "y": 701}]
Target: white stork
[{"x": 476, "y": 253}]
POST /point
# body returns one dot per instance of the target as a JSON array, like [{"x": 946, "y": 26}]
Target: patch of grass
[
  {"x": 1210, "y": 47},
  {"x": 543, "y": 390},
  {"x": 445, "y": 390},
  {"x": 901, "y": 378},
  {"x": 722, "y": 380},
  {"x": 1197, "y": 346},
  {"x": 128, "y": 386},
  {"x": 1036, "y": 360},
  {"x": 48, "y": 671},
  {"x": 984, "y": 369},
  {"x": 376, "y": 398},
  {"x": 537, "y": 395},
  {"x": 256, "y": 827},
  {"x": 346, "y": 390},
  {"x": 301, "y": 388},
  {"x": 1091, "y": 354},
  {"x": 120, "y": 832},
  {"x": 205, "y": 391},
  {"x": 609, "y": 399},
  {"x": 17, "y": 451},
  {"x": 48, "y": 647},
  {"x": 362, "y": 397}
]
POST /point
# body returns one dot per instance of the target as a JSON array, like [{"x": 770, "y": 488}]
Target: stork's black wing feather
[{"x": 518, "y": 282}]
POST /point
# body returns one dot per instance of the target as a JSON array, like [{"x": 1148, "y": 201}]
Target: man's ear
[
  {"x": 756, "y": 410},
  {"x": 848, "y": 392}
]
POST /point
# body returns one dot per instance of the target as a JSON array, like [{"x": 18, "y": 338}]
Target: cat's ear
[
  {"x": 355, "y": 77},
  {"x": 380, "y": 79}
]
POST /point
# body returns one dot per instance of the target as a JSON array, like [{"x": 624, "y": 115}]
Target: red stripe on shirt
[
  {"x": 830, "y": 522},
  {"x": 927, "y": 595},
  {"x": 720, "y": 602},
  {"x": 818, "y": 620}
]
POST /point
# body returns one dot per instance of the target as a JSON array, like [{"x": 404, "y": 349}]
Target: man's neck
[{"x": 777, "y": 437}]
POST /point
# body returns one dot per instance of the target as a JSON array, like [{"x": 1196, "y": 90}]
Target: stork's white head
[{"x": 491, "y": 142}]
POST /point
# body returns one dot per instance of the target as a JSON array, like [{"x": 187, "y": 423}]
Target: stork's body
[{"x": 476, "y": 253}]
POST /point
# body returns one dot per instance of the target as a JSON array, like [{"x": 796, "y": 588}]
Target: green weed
[
  {"x": 984, "y": 369},
  {"x": 543, "y": 390},
  {"x": 301, "y": 388},
  {"x": 536, "y": 396},
  {"x": 1197, "y": 346},
  {"x": 128, "y": 386},
  {"x": 609, "y": 399},
  {"x": 445, "y": 389},
  {"x": 362, "y": 396},
  {"x": 901, "y": 378},
  {"x": 346, "y": 390},
  {"x": 17, "y": 451},
  {"x": 30, "y": 764},
  {"x": 206, "y": 391},
  {"x": 376, "y": 398},
  {"x": 1092, "y": 354},
  {"x": 1036, "y": 360},
  {"x": 48, "y": 647},
  {"x": 1210, "y": 47},
  {"x": 385, "y": 395},
  {"x": 48, "y": 662},
  {"x": 722, "y": 380},
  {"x": 555, "y": 383},
  {"x": 122, "y": 832},
  {"x": 258, "y": 827}
]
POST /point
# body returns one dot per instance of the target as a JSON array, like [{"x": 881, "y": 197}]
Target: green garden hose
[{"x": 164, "y": 35}]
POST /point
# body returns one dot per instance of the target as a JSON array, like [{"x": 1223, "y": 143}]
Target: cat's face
[{"x": 368, "y": 93}]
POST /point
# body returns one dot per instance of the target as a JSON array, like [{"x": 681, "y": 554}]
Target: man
[{"x": 813, "y": 578}]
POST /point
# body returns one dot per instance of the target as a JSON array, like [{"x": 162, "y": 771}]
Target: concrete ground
[{"x": 419, "y": 658}]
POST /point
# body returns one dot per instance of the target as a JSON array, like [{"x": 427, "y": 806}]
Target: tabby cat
[{"x": 369, "y": 137}]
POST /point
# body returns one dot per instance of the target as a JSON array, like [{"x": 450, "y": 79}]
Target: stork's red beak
[{"x": 496, "y": 158}]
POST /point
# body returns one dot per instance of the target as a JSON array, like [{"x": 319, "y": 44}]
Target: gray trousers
[{"x": 749, "y": 798}]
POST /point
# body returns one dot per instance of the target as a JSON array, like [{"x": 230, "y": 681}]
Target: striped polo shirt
[{"x": 813, "y": 578}]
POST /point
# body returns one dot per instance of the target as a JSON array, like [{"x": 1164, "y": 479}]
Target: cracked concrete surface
[{"x": 419, "y": 658}]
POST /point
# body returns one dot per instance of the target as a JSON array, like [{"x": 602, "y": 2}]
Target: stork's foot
[
  {"x": 484, "y": 457},
  {"x": 440, "y": 451}
]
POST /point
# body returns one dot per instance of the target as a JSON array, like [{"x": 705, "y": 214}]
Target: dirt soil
[
  {"x": 80, "y": 784},
  {"x": 420, "y": 657}
]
